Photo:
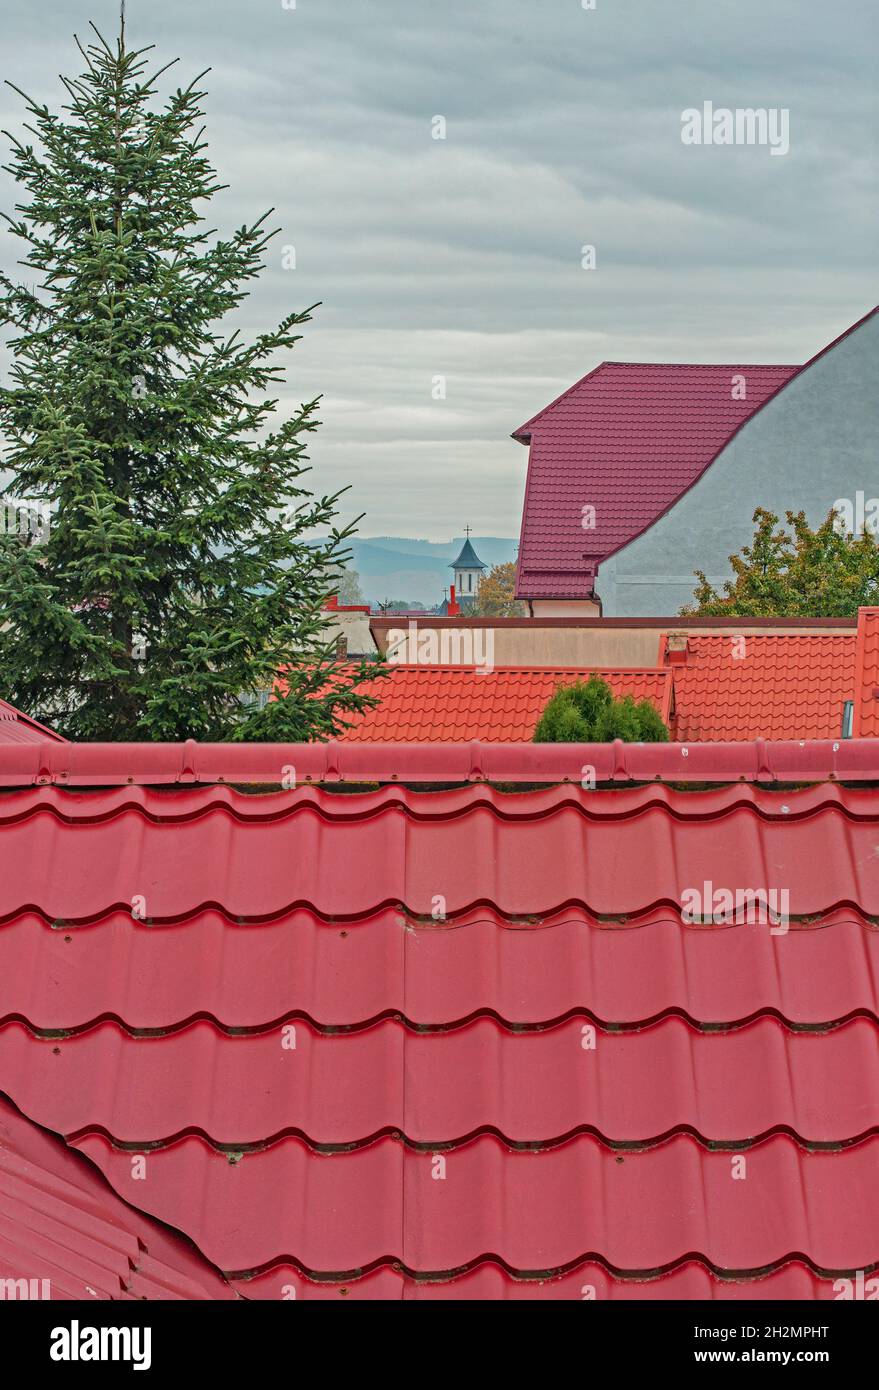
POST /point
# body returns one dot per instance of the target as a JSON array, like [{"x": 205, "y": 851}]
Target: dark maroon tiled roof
[
  {"x": 627, "y": 440},
  {"x": 455, "y": 1043}
]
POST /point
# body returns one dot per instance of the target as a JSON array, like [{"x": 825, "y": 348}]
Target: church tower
[{"x": 468, "y": 572}]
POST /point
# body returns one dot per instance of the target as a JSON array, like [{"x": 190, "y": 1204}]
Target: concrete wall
[
  {"x": 352, "y": 625},
  {"x": 597, "y": 644},
  {"x": 814, "y": 443},
  {"x": 565, "y": 608}
]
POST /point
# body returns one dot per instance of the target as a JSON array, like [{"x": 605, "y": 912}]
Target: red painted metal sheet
[
  {"x": 348, "y": 974},
  {"x": 629, "y": 857},
  {"x": 379, "y": 913},
  {"x": 866, "y": 682},
  {"x": 184, "y": 764},
  {"x": 434, "y": 1088},
  {"x": 60, "y": 1223},
  {"x": 588, "y": 1282},
  {"x": 16, "y": 727},
  {"x": 533, "y": 1211}
]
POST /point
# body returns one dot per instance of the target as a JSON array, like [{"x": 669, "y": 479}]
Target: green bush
[{"x": 589, "y": 713}]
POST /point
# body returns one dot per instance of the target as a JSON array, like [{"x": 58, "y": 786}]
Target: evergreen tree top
[{"x": 179, "y": 575}]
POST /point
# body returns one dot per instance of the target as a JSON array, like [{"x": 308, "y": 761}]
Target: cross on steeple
[{"x": 467, "y": 532}]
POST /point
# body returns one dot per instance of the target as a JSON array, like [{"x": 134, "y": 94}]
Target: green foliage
[
  {"x": 497, "y": 594},
  {"x": 589, "y": 713},
  {"x": 824, "y": 572},
  {"x": 177, "y": 575}
]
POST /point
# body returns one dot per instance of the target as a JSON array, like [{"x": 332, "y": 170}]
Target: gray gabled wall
[{"x": 813, "y": 443}]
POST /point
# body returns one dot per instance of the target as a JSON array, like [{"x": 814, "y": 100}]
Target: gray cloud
[{"x": 462, "y": 257}]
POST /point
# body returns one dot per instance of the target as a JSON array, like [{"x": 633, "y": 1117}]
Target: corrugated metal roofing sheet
[
  {"x": 447, "y": 1086},
  {"x": 532, "y": 1210},
  {"x": 626, "y": 857},
  {"x": 352, "y": 973},
  {"x": 437, "y": 1108}
]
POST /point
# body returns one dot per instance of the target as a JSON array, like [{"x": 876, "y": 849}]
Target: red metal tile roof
[
  {"x": 627, "y": 440},
  {"x": 462, "y": 1034},
  {"x": 793, "y": 1280},
  {"x": 16, "y": 727},
  {"x": 385, "y": 1077},
  {"x": 73, "y": 851},
  {"x": 266, "y": 764},
  {"x": 60, "y": 1222},
  {"x": 764, "y": 686},
  {"x": 866, "y": 692},
  {"x": 445, "y": 704}
]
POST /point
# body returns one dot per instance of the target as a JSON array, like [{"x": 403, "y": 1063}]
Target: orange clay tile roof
[
  {"x": 440, "y": 704},
  {"x": 866, "y": 714},
  {"x": 773, "y": 686}
]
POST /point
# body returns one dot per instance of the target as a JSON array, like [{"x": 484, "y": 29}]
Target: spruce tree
[{"x": 180, "y": 573}]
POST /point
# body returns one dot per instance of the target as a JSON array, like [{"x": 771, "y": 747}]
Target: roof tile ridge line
[
  {"x": 669, "y": 714},
  {"x": 552, "y": 798},
  {"x": 529, "y": 669},
  {"x": 391, "y": 1129},
  {"x": 792, "y": 367},
  {"x": 520, "y": 432},
  {"x": 860, "y": 664},
  {"x": 395, "y": 1017},
  {"x": 530, "y": 474},
  {"x": 659, "y": 912},
  {"x": 741, "y": 425},
  {"x": 708, "y": 366},
  {"x": 621, "y": 1274}
]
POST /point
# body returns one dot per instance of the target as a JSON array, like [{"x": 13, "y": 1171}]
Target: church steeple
[{"x": 468, "y": 571}]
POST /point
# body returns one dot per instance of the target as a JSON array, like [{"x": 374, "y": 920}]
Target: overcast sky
[{"x": 462, "y": 257}]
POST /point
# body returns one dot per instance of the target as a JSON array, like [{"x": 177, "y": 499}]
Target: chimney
[
  {"x": 454, "y": 607},
  {"x": 332, "y": 602},
  {"x": 676, "y": 648}
]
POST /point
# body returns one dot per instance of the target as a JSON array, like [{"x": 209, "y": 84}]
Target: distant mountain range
[{"x": 402, "y": 567}]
